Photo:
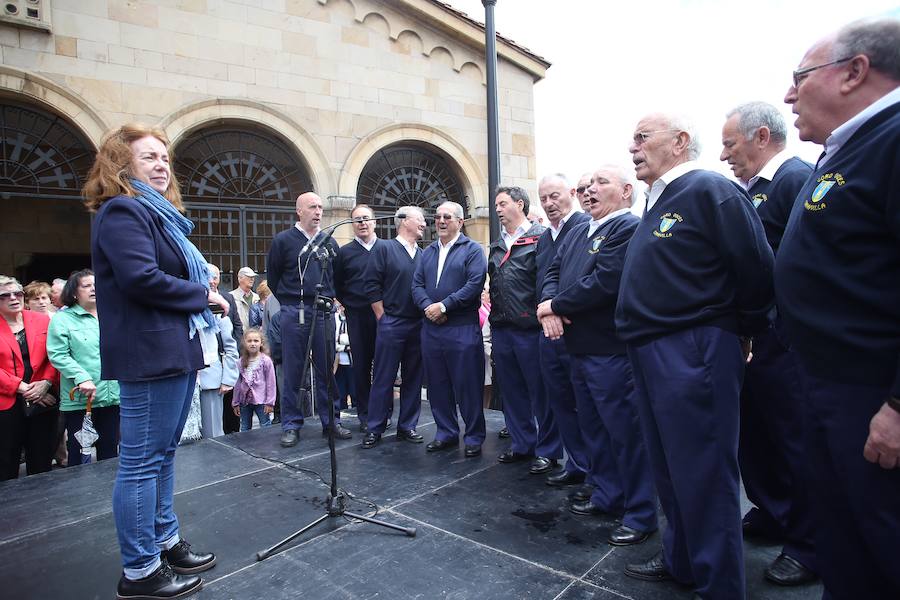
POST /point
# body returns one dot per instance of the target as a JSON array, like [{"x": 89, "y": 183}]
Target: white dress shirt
[
  {"x": 659, "y": 186},
  {"x": 770, "y": 168},
  {"x": 410, "y": 247},
  {"x": 367, "y": 245},
  {"x": 510, "y": 238},
  {"x": 443, "y": 251},
  {"x": 843, "y": 133},
  {"x": 554, "y": 231},
  {"x": 596, "y": 223}
]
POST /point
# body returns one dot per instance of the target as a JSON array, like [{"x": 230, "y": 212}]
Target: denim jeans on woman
[
  {"x": 247, "y": 412},
  {"x": 153, "y": 414}
]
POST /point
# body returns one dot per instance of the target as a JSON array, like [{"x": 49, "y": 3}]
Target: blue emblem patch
[
  {"x": 758, "y": 199},
  {"x": 821, "y": 190},
  {"x": 666, "y": 223},
  {"x": 827, "y": 181}
]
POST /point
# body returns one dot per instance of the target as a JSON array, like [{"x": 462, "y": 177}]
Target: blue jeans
[
  {"x": 247, "y": 412},
  {"x": 152, "y": 415}
]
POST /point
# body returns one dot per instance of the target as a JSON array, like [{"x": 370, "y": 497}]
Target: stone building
[{"x": 380, "y": 101}]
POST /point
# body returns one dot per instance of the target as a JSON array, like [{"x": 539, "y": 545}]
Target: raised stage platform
[{"x": 485, "y": 530}]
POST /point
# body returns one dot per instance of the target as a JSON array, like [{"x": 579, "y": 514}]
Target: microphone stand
[{"x": 335, "y": 504}]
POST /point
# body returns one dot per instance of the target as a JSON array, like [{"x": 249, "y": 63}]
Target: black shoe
[
  {"x": 652, "y": 570},
  {"x": 503, "y": 433},
  {"x": 472, "y": 450},
  {"x": 786, "y": 571},
  {"x": 340, "y": 433},
  {"x": 542, "y": 465},
  {"x": 512, "y": 457},
  {"x": 584, "y": 493},
  {"x": 565, "y": 478},
  {"x": 410, "y": 435},
  {"x": 371, "y": 440},
  {"x": 623, "y": 535},
  {"x": 162, "y": 583},
  {"x": 363, "y": 428},
  {"x": 185, "y": 561},
  {"x": 289, "y": 437},
  {"x": 276, "y": 419},
  {"x": 437, "y": 445},
  {"x": 588, "y": 508}
]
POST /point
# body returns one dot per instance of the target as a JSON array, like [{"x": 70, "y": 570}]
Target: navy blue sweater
[
  {"x": 282, "y": 273},
  {"x": 583, "y": 283},
  {"x": 699, "y": 257},
  {"x": 773, "y": 199},
  {"x": 389, "y": 279},
  {"x": 838, "y": 270},
  {"x": 547, "y": 246},
  {"x": 350, "y": 274},
  {"x": 462, "y": 280}
]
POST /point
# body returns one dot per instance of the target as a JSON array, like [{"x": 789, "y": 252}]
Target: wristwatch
[{"x": 443, "y": 308}]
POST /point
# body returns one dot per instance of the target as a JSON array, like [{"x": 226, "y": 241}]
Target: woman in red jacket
[{"x": 28, "y": 408}]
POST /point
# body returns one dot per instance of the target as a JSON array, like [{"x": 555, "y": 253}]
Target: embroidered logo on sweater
[
  {"x": 595, "y": 244},
  {"x": 825, "y": 183},
  {"x": 758, "y": 199},
  {"x": 666, "y": 223}
]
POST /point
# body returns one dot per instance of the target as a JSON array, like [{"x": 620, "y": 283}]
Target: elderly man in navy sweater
[
  {"x": 771, "y": 454},
  {"x": 295, "y": 289},
  {"x": 697, "y": 283},
  {"x": 349, "y": 275},
  {"x": 447, "y": 287},
  {"x": 558, "y": 200},
  {"x": 387, "y": 286},
  {"x": 837, "y": 279},
  {"x": 579, "y": 302}
]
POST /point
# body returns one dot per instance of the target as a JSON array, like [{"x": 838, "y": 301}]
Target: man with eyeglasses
[
  {"x": 558, "y": 201},
  {"x": 837, "y": 278},
  {"x": 581, "y": 192},
  {"x": 349, "y": 276},
  {"x": 580, "y": 292},
  {"x": 771, "y": 443},
  {"x": 696, "y": 284},
  {"x": 512, "y": 266},
  {"x": 447, "y": 288},
  {"x": 387, "y": 285}
]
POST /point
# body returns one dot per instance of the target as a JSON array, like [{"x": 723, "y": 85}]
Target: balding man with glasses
[
  {"x": 837, "y": 278},
  {"x": 696, "y": 285}
]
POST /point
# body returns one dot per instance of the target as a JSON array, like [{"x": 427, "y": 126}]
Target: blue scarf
[{"x": 177, "y": 226}]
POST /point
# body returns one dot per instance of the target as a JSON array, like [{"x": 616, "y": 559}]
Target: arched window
[{"x": 408, "y": 175}]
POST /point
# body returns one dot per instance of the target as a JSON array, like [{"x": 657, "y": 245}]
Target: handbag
[{"x": 33, "y": 408}]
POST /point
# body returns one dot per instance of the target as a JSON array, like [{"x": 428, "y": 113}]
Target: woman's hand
[
  {"x": 217, "y": 298},
  {"x": 224, "y": 389},
  {"x": 87, "y": 388},
  {"x": 269, "y": 409},
  {"x": 36, "y": 389},
  {"x": 237, "y": 410}
]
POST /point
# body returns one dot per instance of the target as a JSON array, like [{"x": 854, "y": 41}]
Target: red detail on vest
[{"x": 522, "y": 241}]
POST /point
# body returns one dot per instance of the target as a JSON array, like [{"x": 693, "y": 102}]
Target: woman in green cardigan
[{"x": 73, "y": 345}]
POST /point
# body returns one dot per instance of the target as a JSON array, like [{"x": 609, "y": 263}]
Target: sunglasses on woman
[{"x": 7, "y": 296}]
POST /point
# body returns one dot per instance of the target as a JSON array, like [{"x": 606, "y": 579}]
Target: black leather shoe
[
  {"x": 623, "y": 535},
  {"x": 371, "y": 440},
  {"x": 786, "y": 571},
  {"x": 588, "y": 508},
  {"x": 512, "y": 457},
  {"x": 503, "y": 433},
  {"x": 542, "y": 465},
  {"x": 472, "y": 450},
  {"x": 340, "y": 433},
  {"x": 652, "y": 570},
  {"x": 363, "y": 428},
  {"x": 410, "y": 435},
  {"x": 438, "y": 445},
  {"x": 185, "y": 561},
  {"x": 162, "y": 583},
  {"x": 583, "y": 494},
  {"x": 289, "y": 438},
  {"x": 565, "y": 478}
]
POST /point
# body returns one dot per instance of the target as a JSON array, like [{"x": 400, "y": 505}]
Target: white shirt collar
[
  {"x": 300, "y": 229},
  {"x": 410, "y": 246},
  {"x": 554, "y": 231},
  {"x": 843, "y": 133},
  {"x": 367, "y": 245},
  {"x": 450, "y": 243},
  {"x": 666, "y": 178},
  {"x": 510, "y": 238},
  {"x": 597, "y": 223},
  {"x": 770, "y": 168}
]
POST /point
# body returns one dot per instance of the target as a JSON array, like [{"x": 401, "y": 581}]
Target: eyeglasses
[
  {"x": 10, "y": 295},
  {"x": 581, "y": 189},
  {"x": 362, "y": 219},
  {"x": 444, "y": 217},
  {"x": 642, "y": 136},
  {"x": 801, "y": 74}
]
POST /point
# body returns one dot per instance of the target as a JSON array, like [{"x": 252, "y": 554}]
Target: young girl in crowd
[{"x": 255, "y": 389}]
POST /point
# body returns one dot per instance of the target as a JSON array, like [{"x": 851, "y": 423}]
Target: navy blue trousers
[
  {"x": 528, "y": 417},
  {"x": 361, "y": 328},
  {"x": 688, "y": 397},
  {"x": 398, "y": 344},
  {"x": 856, "y": 503},
  {"x": 294, "y": 339},
  {"x": 556, "y": 372},
  {"x": 453, "y": 356},
  {"x": 771, "y": 452},
  {"x": 604, "y": 393}
]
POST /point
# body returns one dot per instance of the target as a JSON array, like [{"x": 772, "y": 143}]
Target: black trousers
[
  {"x": 106, "y": 422},
  {"x": 36, "y": 434}
]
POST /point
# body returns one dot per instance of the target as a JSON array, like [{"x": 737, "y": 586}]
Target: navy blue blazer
[
  {"x": 143, "y": 296},
  {"x": 462, "y": 280}
]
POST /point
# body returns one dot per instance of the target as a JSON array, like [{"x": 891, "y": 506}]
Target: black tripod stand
[{"x": 322, "y": 305}]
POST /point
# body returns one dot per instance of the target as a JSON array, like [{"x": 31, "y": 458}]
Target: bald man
[{"x": 295, "y": 289}]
